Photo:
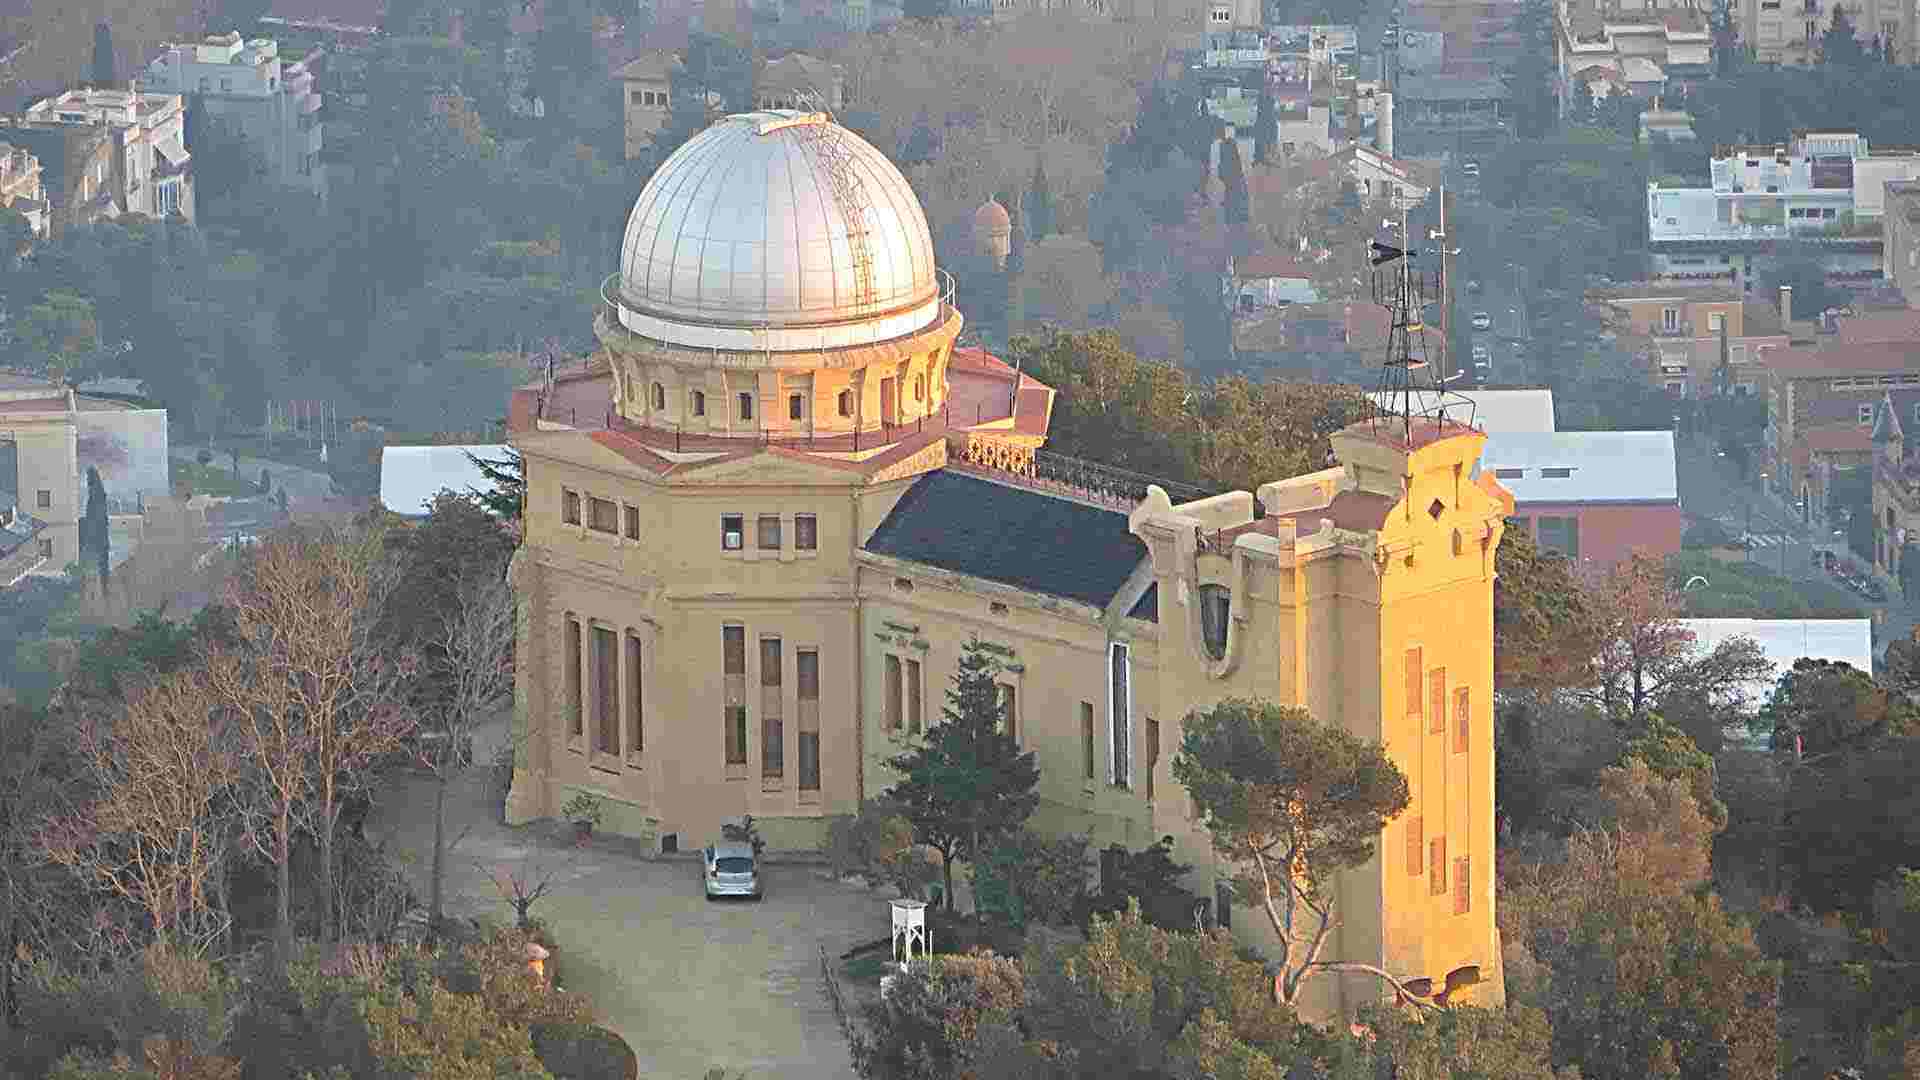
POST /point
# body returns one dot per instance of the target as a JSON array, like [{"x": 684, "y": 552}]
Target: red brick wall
[{"x": 1609, "y": 534}]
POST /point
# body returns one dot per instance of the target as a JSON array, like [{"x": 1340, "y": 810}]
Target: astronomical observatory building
[{"x": 764, "y": 518}]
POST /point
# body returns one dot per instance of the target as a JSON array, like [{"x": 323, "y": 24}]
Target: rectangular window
[
  {"x": 46, "y": 548},
  {"x": 746, "y": 405},
  {"x": 603, "y": 515},
  {"x": 1670, "y": 318},
  {"x": 1153, "y": 752},
  {"x": 1087, "y": 733},
  {"x": 633, "y": 522},
  {"x": 773, "y": 740},
  {"x": 699, "y": 403},
  {"x": 1009, "y": 712},
  {"x": 1862, "y": 413},
  {"x": 806, "y": 673},
  {"x": 769, "y": 532},
  {"x": 636, "y": 701},
  {"x": 914, "y": 704},
  {"x": 734, "y": 642},
  {"x": 1416, "y": 847},
  {"x": 892, "y": 695},
  {"x": 1462, "y": 885},
  {"x": 1716, "y": 321},
  {"x": 806, "y": 533},
  {"x": 1437, "y": 866},
  {"x": 1462, "y": 719},
  {"x": 733, "y": 531},
  {"x": 796, "y": 407},
  {"x": 576, "y": 716},
  {"x": 1561, "y": 534},
  {"x": 1415, "y": 671},
  {"x": 1437, "y": 701},
  {"x": 638, "y": 97},
  {"x": 606, "y": 692},
  {"x": 1120, "y": 769},
  {"x": 570, "y": 507}
]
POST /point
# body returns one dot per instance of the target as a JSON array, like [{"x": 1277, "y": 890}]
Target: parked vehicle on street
[
  {"x": 1482, "y": 321},
  {"x": 732, "y": 870}
]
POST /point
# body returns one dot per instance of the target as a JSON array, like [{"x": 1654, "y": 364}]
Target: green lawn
[
  {"x": 1741, "y": 589},
  {"x": 213, "y": 479}
]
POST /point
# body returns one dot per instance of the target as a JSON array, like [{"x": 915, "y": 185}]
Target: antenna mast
[{"x": 1411, "y": 386}]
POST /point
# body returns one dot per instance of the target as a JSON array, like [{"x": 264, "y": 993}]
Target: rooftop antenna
[{"x": 1411, "y": 386}]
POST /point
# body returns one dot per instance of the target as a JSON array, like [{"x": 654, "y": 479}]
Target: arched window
[
  {"x": 1216, "y": 603},
  {"x": 659, "y": 396},
  {"x": 846, "y": 403}
]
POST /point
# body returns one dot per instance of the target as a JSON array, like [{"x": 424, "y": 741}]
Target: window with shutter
[
  {"x": 1416, "y": 855},
  {"x": 1120, "y": 766},
  {"x": 1462, "y": 720},
  {"x": 1414, "y": 670},
  {"x": 1462, "y": 887},
  {"x": 1437, "y": 866},
  {"x": 1437, "y": 701}
]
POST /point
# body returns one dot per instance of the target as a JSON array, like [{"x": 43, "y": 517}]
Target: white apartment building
[
  {"x": 149, "y": 169},
  {"x": 20, "y": 187},
  {"x": 246, "y": 84}
]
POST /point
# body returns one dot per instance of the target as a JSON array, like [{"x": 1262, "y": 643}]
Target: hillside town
[{"x": 936, "y": 539}]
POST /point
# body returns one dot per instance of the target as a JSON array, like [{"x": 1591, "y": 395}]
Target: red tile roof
[
  {"x": 1269, "y": 263},
  {"x": 32, "y": 405},
  {"x": 1878, "y": 327},
  {"x": 1838, "y": 358},
  {"x": 1838, "y": 438}
]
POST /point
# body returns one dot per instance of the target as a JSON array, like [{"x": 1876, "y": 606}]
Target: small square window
[
  {"x": 733, "y": 531},
  {"x": 746, "y": 405},
  {"x": 43, "y": 499},
  {"x": 806, "y": 533},
  {"x": 1864, "y": 413},
  {"x": 46, "y": 548},
  {"x": 640, "y": 98},
  {"x": 769, "y": 532},
  {"x": 699, "y": 403},
  {"x": 633, "y": 522},
  {"x": 570, "y": 507}
]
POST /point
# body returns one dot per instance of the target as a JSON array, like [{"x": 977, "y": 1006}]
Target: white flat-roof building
[
  {"x": 1783, "y": 641},
  {"x": 246, "y": 84},
  {"x": 1501, "y": 411},
  {"x": 410, "y": 476},
  {"x": 1594, "y": 496}
]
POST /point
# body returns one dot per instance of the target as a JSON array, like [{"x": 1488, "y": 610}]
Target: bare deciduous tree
[
  {"x": 156, "y": 835},
  {"x": 473, "y": 653}
]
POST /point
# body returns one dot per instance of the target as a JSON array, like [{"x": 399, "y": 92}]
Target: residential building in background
[
  {"x": 1827, "y": 189},
  {"x": 1838, "y": 376},
  {"x": 1675, "y": 330},
  {"x": 646, "y": 86},
  {"x": 146, "y": 168},
  {"x": 1901, "y": 258},
  {"x": 20, "y": 186},
  {"x": 76, "y": 170},
  {"x": 1790, "y": 31},
  {"x": 1642, "y": 52},
  {"x": 1594, "y": 496},
  {"x": 765, "y": 520},
  {"x": 245, "y": 84},
  {"x": 799, "y": 81}
]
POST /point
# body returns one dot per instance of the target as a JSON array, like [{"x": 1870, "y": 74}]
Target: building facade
[
  {"x": 1645, "y": 51},
  {"x": 1596, "y": 497},
  {"x": 1676, "y": 330},
  {"x": 145, "y": 168},
  {"x": 1839, "y": 375},
  {"x": 762, "y": 526},
  {"x": 1791, "y": 33},
  {"x": 269, "y": 102},
  {"x": 1901, "y": 261},
  {"x": 1825, "y": 189},
  {"x": 646, "y": 85},
  {"x": 21, "y": 189}
]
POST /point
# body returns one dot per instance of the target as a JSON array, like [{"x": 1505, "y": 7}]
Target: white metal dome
[{"x": 781, "y": 229}]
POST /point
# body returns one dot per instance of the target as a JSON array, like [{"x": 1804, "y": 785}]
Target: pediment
[{"x": 770, "y": 468}]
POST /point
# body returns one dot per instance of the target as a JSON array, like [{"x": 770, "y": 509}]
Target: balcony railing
[{"x": 1684, "y": 329}]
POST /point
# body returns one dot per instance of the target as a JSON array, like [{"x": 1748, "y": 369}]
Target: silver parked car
[{"x": 732, "y": 870}]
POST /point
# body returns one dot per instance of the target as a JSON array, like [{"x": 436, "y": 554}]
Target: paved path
[
  {"x": 689, "y": 984},
  {"x": 307, "y": 490}
]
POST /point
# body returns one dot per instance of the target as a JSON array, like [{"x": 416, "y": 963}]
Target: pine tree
[
  {"x": 1266, "y": 124},
  {"x": 1039, "y": 204},
  {"x": 968, "y": 784},
  {"x": 103, "y": 65}
]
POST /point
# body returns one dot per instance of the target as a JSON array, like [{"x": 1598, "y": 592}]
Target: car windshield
[{"x": 733, "y": 864}]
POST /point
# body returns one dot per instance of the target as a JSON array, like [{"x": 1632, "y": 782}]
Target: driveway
[{"x": 689, "y": 984}]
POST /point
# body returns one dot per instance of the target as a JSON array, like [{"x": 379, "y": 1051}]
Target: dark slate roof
[
  {"x": 1012, "y": 536},
  {"x": 1148, "y": 607}
]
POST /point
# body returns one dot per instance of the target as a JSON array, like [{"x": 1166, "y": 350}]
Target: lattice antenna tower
[
  {"x": 1410, "y": 385},
  {"x": 847, "y": 190}
]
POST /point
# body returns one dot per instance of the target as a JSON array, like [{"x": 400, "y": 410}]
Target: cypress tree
[
  {"x": 103, "y": 66},
  {"x": 1039, "y": 204},
  {"x": 1266, "y": 124},
  {"x": 1233, "y": 177},
  {"x": 95, "y": 536}
]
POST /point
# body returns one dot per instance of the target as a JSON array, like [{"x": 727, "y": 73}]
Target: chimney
[
  {"x": 1383, "y": 123},
  {"x": 1786, "y": 303}
]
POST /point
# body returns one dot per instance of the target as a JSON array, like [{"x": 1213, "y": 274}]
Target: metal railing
[
  {"x": 1108, "y": 481},
  {"x": 834, "y": 998}
]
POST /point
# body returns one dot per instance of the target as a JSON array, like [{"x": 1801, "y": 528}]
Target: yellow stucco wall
[{"x": 1321, "y": 617}]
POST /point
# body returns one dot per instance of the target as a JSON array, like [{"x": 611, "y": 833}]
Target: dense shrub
[
  {"x": 1150, "y": 876},
  {"x": 1027, "y": 878}
]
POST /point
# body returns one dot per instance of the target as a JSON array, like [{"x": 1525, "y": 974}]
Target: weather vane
[{"x": 1410, "y": 384}]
